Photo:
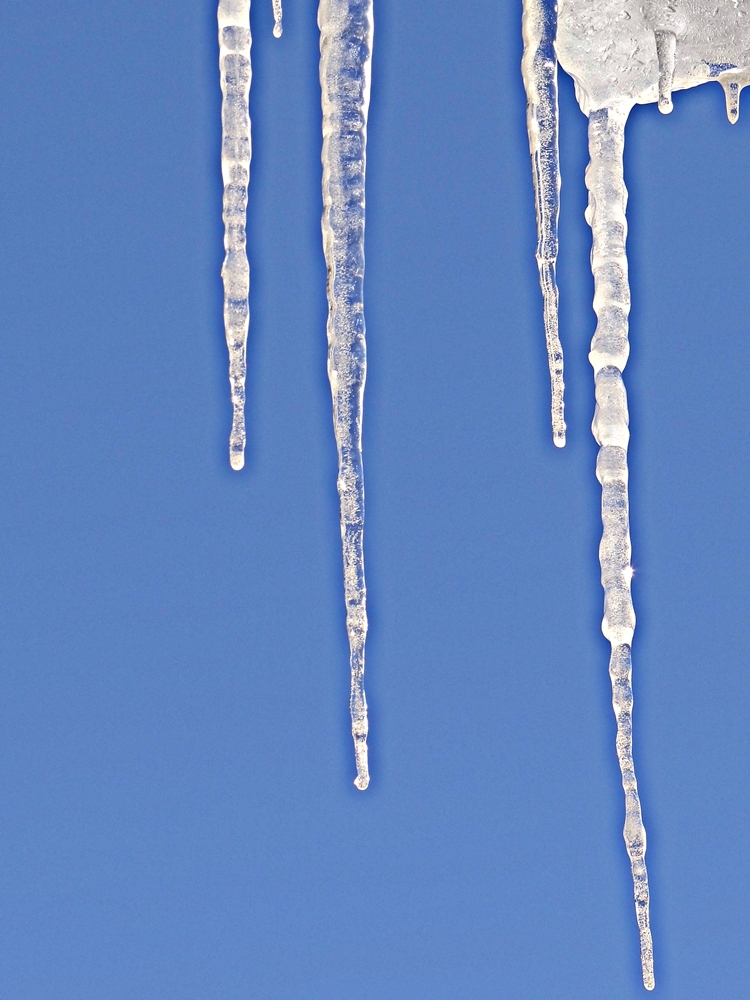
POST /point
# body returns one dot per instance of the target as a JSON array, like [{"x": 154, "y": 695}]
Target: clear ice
[
  {"x": 345, "y": 64},
  {"x": 346, "y": 28},
  {"x": 235, "y": 71},
  {"x": 619, "y": 53}
]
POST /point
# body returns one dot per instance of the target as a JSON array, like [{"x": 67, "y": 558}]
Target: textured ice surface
[
  {"x": 619, "y": 53},
  {"x": 611, "y": 48},
  {"x": 345, "y": 61},
  {"x": 234, "y": 67},
  {"x": 236, "y": 71},
  {"x": 540, "y": 78}
]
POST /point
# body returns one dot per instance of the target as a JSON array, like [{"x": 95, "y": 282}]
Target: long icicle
[
  {"x": 346, "y": 28},
  {"x": 236, "y": 72},
  {"x": 539, "y": 68},
  {"x": 609, "y": 354},
  {"x": 235, "y": 68}
]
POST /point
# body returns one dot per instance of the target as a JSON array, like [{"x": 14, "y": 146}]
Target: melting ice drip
[
  {"x": 619, "y": 53},
  {"x": 346, "y": 28}
]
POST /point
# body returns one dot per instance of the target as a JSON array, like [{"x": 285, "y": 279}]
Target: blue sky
[{"x": 178, "y": 818}]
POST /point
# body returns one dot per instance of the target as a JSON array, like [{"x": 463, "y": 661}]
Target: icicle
[
  {"x": 236, "y": 71},
  {"x": 277, "y": 28},
  {"x": 539, "y": 68},
  {"x": 732, "y": 81},
  {"x": 609, "y": 353},
  {"x": 666, "y": 44},
  {"x": 346, "y": 28},
  {"x": 234, "y": 64}
]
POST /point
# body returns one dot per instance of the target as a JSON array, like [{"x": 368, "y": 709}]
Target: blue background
[{"x": 177, "y": 814}]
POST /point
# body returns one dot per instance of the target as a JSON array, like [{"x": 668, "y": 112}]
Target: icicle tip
[
  {"x": 277, "y": 15},
  {"x": 237, "y": 460}
]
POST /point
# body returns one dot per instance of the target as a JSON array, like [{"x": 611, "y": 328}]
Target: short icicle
[
  {"x": 666, "y": 45},
  {"x": 732, "y": 82},
  {"x": 346, "y": 29},
  {"x": 609, "y": 355},
  {"x": 539, "y": 68}
]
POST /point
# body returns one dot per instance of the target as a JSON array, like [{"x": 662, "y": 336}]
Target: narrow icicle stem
[
  {"x": 539, "y": 68},
  {"x": 346, "y": 28},
  {"x": 666, "y": 44},
  {"x": 277, "y": 13},
  {"x": 609, "y": 354},
  {"x": 234, "y": 65}
]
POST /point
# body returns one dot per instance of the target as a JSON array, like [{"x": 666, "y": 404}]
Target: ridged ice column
[
  {"x": 346, "y": 29},
  {"x": 234, "y": 65},
  {"x": 609, "y": 355},
  {"x": 539, "y": 69}
]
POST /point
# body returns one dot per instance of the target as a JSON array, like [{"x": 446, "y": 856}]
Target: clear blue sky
[{"x": 177, "y": 814}]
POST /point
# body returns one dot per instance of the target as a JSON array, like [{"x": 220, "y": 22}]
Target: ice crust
[
  {"x": 619, "y": 53},
  {"x": 609, "y": 47}
]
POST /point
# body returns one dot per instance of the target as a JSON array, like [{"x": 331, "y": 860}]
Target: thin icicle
[
  {"x": 234, "y": 64},
  {"x": 277, "y": 27},
  {"x": 609, "y": 353},
  {"x": 346, "y": 28},
  {"x": 236, "y": 150},
  {"x": 539, "y": 68}
]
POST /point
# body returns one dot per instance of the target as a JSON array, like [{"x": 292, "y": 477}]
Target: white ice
[
  {"x": 619, "y": 53},
  {"x": 346, "y": 28},
  {"x": 235, "y": 72}
]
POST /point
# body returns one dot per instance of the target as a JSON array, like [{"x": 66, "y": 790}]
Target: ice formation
[
  {"x": 619, "y": 53},
  {"x": 345, "y": 62}
]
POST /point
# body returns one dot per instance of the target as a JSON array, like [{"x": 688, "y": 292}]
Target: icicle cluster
[
  {"x": 619, "y": 53},
  {"x": 346, "y": 28},
  {"x": 345, "y": 64}
]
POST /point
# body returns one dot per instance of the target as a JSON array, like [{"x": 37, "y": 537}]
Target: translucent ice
[
  {"x": 619, "y": 53},
  {"x": 236, "y": 71},
  {"x": 345, "y": 62}
]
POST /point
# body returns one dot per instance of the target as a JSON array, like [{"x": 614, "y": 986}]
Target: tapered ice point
[
  {"x": 277, "y": 27},
  {"x": 539, "y": 68},
  {"x": 666, "y": 44},
  {"x": 346, "y": 29}
]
